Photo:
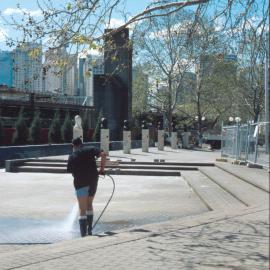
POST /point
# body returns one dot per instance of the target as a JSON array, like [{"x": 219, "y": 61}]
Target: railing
[
  {"x": 246, "y": 142},
  {"x": 46, "y": 97}
]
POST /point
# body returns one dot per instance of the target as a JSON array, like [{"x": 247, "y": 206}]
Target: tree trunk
[
  {"x": 199, "y": 113},
  {"x": 170, "y": 107}
]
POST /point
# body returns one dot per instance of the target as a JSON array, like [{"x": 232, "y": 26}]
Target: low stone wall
[{"x": 35, "y": 151}]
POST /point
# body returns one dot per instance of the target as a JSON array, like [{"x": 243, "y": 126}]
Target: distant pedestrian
[{"x": 82, "y": 165}]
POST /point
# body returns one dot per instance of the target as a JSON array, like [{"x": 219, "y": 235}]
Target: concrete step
[
  {"x": 40, "y": 169},
  {"x": 48, "y": 160},
  {"x": 127, "y": 166},
  {"x": 61, "y": 161},
  {"x": 150, "y": 167},
  {"x": 215, "y": 197},
  {"x": 243, "y": 191},
  {"x": 45, "y": 164},
  {"x": 256, "y": 177},
  {"x": 143, "y": 172},
  {"x": 207, "y": 164},
  {"x": 116, "y": 171}
]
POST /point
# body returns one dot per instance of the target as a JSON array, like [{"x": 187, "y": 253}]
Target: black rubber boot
[
  {"x": 90, "y": 224},
  {"x": 83, "y": 226}
]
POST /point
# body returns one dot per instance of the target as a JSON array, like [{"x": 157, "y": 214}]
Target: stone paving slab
[
  {"x": 227, "y": 239},
  {"x": 257, "y": 177},
  {"x": 170, "y": 155},
  {"x": 243, "y": 191},
  {"x": 215, "y": 197},
  {"x": 237, "y": 240}
]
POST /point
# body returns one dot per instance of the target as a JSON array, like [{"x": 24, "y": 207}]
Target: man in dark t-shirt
[{"x": 82, "y": 165}]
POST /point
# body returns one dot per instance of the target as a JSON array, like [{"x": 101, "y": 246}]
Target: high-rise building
[
  {"x": 208, "y": 62},
  {"x": 88, "y": 67},
  {"x": 60, "y": 72},
  {"x": 53, "y": 75},
  {"x": 6, "y": 70},
  {"x": 71, "y": 76},
  {"x": 27, "y": 67},
  {"x": 81, "y": 76}
]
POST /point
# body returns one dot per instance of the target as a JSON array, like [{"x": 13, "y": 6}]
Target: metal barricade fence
[
  {"x": 259, "y": 144},
  {"x": 243, "y": 141},
  {"x": 246, "y": 142},
  {"x": 228, "y": 141}
]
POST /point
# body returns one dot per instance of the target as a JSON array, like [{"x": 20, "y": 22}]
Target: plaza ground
[{"x": 162, "y": 222}]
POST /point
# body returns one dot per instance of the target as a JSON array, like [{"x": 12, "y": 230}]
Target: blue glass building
[{"x": 6, "y": 68}]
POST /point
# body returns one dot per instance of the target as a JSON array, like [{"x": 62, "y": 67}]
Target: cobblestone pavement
[
  {"x": 214, "y": 241},
  {"x": 235, "y": 239}
]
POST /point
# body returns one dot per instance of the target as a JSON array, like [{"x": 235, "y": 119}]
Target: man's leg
[
  {"x": 90, "y": 214},
  {"x": 90, "y": 209},
  {"x": 82, "y": 196}
]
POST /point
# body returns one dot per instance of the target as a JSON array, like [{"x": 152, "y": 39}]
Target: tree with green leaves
[
  {"x": 251, "y": 75},
  {"x": 55, "y": 129},
  {"x": 162, "y": 43},
  {"x": 67, "y": 129},
  {"x": 20, "y": 137},
  {"x": 35, "y": 129},
  {"x": 140, "y": 89}
]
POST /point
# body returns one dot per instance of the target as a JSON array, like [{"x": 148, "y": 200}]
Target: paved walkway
[{"x": 228, "y": 239}]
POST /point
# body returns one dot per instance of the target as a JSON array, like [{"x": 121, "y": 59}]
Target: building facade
[
  {"x": 6, "y": 68},
  {"x": 60, "y": 72},
  {"x": 27, "y": 67},
  {"x": 88, "y": 67},
  {"x": 52, "y": 74}
]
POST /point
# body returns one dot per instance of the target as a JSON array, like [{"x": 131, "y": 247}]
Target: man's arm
[{"x": 102, "y": 162}]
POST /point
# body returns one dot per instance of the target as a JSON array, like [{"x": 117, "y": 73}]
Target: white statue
[{"x": 77, "y": 129}]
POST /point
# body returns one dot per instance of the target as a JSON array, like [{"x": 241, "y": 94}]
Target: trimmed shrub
[
  {"x": 67, "y": 129},
  {"x": 85, "y": 127},
  {"x": 54, "y": 135},
  {"x": 35, "y": 130},
  {"x": 20, "y": 136},
  {"x": 1, "y": 132},
  {"x": 96, "y": 135}
]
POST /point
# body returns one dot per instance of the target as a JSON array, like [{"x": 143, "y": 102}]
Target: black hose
[{"x": 102, "y": 212}]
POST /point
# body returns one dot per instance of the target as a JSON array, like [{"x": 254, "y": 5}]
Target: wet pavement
[{"x": 42, "y": 208}]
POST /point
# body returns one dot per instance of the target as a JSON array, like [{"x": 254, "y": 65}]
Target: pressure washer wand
[{"x": 104, "y": 209}]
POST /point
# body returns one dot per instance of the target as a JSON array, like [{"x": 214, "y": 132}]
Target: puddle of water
[
  {"x": 33, "y": 231},
  {"x": 22, "y": 230}
]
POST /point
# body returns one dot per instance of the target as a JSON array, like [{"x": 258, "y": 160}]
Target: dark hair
[{"x": 77, "y": 142}]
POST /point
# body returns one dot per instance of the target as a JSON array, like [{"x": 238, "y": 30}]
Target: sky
[{"x": 10, "y": 8}]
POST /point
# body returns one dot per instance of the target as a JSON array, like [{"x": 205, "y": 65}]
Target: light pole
[
  {"x": 237, "y": 120},
  {"x": 231, "y": 120},
  {"x": 266, "y": 95},
  {"x": 199, "y": 119}
]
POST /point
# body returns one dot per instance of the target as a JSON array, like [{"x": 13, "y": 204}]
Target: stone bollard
[
  {"x": 145, "y": 137},
  {"x": 160, "y": 137},
  {"x": 185, "y": 137},
  {"x": 126, "y": 138},
  {"x": 104, "y": 136},
  {"x": 174, "y": 140}
]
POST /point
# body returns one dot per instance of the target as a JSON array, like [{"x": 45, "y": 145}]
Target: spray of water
[{"x": 71, "y": 218}]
